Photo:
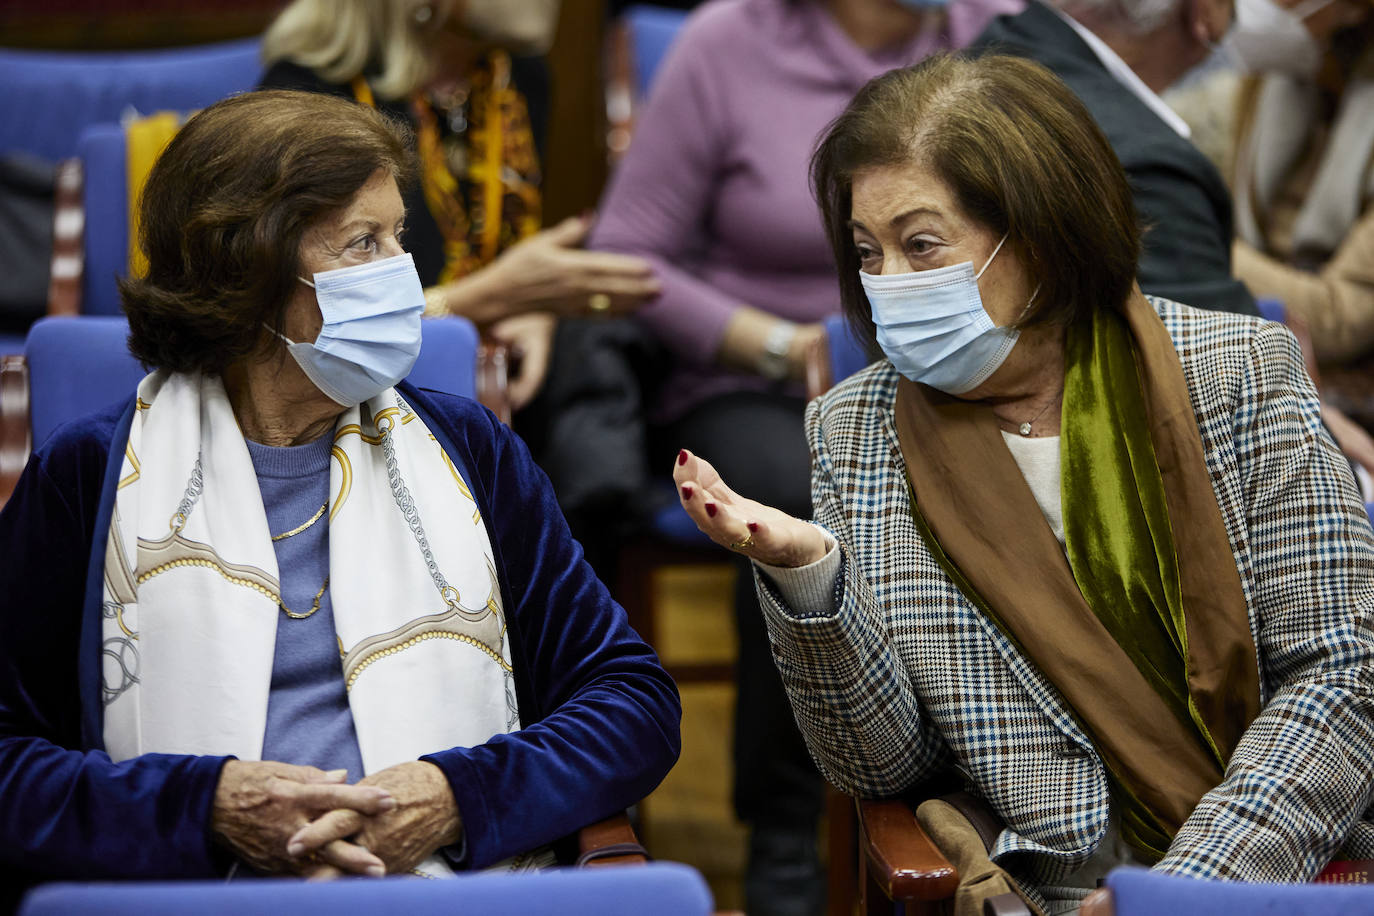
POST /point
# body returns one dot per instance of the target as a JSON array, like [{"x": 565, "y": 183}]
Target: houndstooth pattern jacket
[{"x": 907, "y": 679}]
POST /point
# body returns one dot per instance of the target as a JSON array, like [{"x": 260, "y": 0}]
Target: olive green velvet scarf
[{"x": 1143, "y": 627}]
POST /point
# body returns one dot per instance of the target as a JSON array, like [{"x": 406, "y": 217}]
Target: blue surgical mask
[
  {"x": 371, "y": 332},
  {"x": 933, "y": 327}
]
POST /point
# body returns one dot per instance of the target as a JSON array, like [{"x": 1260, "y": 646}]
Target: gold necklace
[
  {"x": 313, "y": 607},
  {"x": 299, "y": 528}
]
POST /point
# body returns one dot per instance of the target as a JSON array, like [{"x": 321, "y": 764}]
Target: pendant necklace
[{"x": 1025, "y": 428}]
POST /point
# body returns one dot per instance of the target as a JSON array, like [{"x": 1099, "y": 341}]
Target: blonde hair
[{"x": 337, "y": 39}]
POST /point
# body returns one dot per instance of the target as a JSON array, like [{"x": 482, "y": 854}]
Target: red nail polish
[
  {"x": 753, "y": 527},
  {"x": 686, "y": 492},
  {"x": 711, "y": 509},
  {"x": 682, "y": 456}
]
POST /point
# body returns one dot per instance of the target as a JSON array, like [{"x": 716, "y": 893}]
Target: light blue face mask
[
  {"x": 933, "y": 327},
  {"x": 371, "y": 332}
]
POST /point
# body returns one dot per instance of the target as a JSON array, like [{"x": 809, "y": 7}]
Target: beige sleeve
[{"x": 1337, "y": 302}]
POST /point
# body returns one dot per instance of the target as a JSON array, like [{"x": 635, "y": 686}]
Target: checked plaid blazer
[{"x": 906, "y": 678}]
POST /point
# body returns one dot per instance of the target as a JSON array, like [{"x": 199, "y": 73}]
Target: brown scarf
[{"x": 981, "y": 522}]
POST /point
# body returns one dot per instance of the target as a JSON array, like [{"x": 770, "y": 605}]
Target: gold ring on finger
[
  {"x": 598, "y": 302},
  {"x": 744, "y": 544}
]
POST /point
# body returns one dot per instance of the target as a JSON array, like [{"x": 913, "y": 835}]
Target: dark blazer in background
[{"x": 1183, "y": 204}]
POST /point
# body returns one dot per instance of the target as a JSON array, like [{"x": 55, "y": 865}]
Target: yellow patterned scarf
[{"x": 481, "y": 181}]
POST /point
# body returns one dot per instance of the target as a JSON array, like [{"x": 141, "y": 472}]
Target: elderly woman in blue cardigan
[
  {"x": 1090, "y": 554},
  {"x": 281, "y": 612}
]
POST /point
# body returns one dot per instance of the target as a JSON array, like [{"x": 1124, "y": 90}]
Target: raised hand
[
  {"x": 530, "y": 338},
  {"x": 550, "y": 272},
  {"x": 759, "y": 532}
]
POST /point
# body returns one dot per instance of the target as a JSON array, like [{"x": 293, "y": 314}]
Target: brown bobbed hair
[
  {"x": 1021, "y": 155},
  {"x": 225, "y": 209}
]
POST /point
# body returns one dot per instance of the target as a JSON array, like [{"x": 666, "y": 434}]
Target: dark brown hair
[
  {"x": 225, "y": 209},
  {"x": 1021, "y": 155}
]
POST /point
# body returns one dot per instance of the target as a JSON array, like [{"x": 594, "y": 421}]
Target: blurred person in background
[
  {"x": 466, "y": 76},
  {"x": 1117, "y": 56},
  {"x": 713, "y": 192},
  {"x": 1302, "y": 171}
]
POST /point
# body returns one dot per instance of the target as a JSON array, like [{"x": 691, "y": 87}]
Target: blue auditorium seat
[
  {"x": 847, "y": 355},
  {"x": 80, "y": 365},
  {"x": 50, "y": 96},
  {"x": 652, "y": 30},
  {"x": 663, "y": 889},
  {"x": 1142, "y": 892}
]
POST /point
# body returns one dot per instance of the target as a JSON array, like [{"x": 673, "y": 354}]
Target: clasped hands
[{"x": 284, "y": 819}]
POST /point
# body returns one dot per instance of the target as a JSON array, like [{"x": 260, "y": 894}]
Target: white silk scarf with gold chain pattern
[{"x": 192, "y": 594}]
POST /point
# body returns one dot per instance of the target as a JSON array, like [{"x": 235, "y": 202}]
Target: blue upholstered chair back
[
  {"x": 105, "y": 233},
  {"x": 847, "y": 355},
  {"x": 664, "y": 889},
  {"x": 652, "y": 30},
  {"x": 80, "y": 365},
  {"x": 50, "y": 96},
  {"x": 1141, "y": 892}
]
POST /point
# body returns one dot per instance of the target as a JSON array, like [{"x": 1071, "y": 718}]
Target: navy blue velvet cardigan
[{"x": 601, "y": 717}]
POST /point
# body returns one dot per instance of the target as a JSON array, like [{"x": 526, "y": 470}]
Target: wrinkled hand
[
  {"x": 759, "y": 532},
  {"x": 532, "y": 337},
  {"x": 424, "y": 818},
  {"x": 259, "y": 805},
  {"x": 549, "y": 272}
]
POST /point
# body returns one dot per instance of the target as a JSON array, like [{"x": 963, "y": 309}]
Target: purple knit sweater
[{"x": 714, "y": 188}]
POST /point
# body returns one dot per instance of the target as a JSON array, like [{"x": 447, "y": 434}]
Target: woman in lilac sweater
[{"x": 713, "y": 192}]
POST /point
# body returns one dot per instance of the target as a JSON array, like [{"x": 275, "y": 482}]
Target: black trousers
[{"x": 756, "y": 443}]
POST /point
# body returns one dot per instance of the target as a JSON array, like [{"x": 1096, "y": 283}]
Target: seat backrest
[
  {"x": 1140, "y": 891},
  {"x": 49, "y": 96},
  {"x": 652, "y": 30},
  {"x": 847, "y": 355},
  {"x": 665, "y": 889},
  {"x": 105, "y": 229},
  {"x": 76, "y": 367},
  {"x": 80, "y": 365}
]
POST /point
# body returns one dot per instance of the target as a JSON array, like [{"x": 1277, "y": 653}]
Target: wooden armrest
[
  {"x": 493, "y": 377},
  {"x": 1098, "y": 903},
  {"x": 14, "y": 421},
  {"x": 900, "y": 858},
  {"x": 68, "y": 251},
  {"x": 610, "y": 842},
  {"x": 818, "y": 380}
]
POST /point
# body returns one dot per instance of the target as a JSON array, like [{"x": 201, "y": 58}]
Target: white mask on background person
[
  {"x": 371, "y": 333},
  {"x": 1270, "y": 39},
  {"x": 933, "y": 327}
]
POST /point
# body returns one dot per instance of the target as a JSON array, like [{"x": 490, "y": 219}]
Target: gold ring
[
  {"x": 598, "y": 302},
  {"x": 744, "y": 544}
]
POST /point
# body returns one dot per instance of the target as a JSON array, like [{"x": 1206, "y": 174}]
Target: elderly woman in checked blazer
[{"x": 1092, "y": 552}]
